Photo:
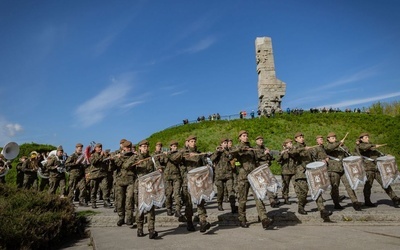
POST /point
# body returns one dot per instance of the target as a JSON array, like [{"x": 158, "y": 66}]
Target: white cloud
[
  {"x": 201, "y": 45},
  {"x": 344, "y": 104},
  {"x": 178, "y": 93},
  {"x": 8, "y": 131},
  {"x": 96, "y": 109}
]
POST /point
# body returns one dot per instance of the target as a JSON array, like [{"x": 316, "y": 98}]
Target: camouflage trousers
[
  {"x": 301, "y": 189},
  {"x": 173, "y": 189},
  {"x": 371, "y": 176},
  {"x": 225, "y": 189},
  {"x": 151, "y": 218},
  {"x": 243, "y": 191},
  {"x": 30, "y": 181},
  {"x": 335, "y": 179},
  {"x": 77, "y": 182},
  {"x": 55, "y": 183},
  {"x": 44, "y": 182},
  {"x": 187, "y": 200},
  {"x": 125, "y": 200},
  {"x": 95, "y": 184},
  {"x": 286, "y": 178}
]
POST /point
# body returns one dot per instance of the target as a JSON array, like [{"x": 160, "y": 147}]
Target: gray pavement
[{"x": 367, "y": 229}]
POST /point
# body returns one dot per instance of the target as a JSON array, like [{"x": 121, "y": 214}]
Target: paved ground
[{"x": 368, "y": 229}]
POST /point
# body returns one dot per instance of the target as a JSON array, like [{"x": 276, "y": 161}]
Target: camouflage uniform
[
  {"x": 30, "y": 167},
  {"x": 224, "y": 177},
  {"x": 146, "y": 166},
  {"x": 173, "y": 180},
  {"x": 369, "y": 150},
  {"x": 20, "y": 175},
  {"x": 98, "y": 178},
  {"x": 125, "y": 188},
  {"x": 336, "y": 174},
  {"x": 248, "y": 163},
  {"x": 77, "y": 182},
  {"x": 288, "y": 171},
  {"x": 302, "y": 157},
  {"x": 57, "y": 178}
]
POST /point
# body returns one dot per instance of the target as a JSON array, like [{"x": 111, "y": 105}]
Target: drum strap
[
  {"x": 333, "y": 158},
  {"x": 367, "y": 158}
]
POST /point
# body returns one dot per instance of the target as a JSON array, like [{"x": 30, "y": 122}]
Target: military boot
[
  {"x": 129, "y": 221},
  {"x": 169, "y": 212},
  {"x": 220, "y": 208},
  {"x": 190, "y": 226},
  {"x": 107, "y": 204},
  {"x": 266, "y": 223},
  {"x": 204, "y": 226},
  {"x": 325, "y": 215},
  {"x": 243, "y": 224},
  {"x": 368, "y": 202},
  {"x": 152, "y": 234},
  {"x": 396, "y": 201},
  {"x": 338, "y": 206},
  {"x": 286, "y": 201},
  {"x": 234, "y": 209},
  {"x": 302, "y": 211},
  {"x": 357, "y": 206},
  {"x": 273, "y": 203},
  {"x": 140, "y": 232},
  {"x": 121, "y": 221}
]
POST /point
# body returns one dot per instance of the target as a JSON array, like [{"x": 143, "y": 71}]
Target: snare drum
[
  {"x": 317, "y": 178},
  {"x": 354, "y": 170},
  {"x": 388, "y": 169}
]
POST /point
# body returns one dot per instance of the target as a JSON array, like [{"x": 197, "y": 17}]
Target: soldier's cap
[
  {"x": 122, "y": 141},
  {"x": 286, "y": 141},
  {"x": 79, "y": 145},
  {"x": 60, "y": 148},
  {"x": 223, "y": 139},
  {"x": 331, "y": 134},
  {"x": 363, "y": 134},
  {"x": 191, "y": 137},
  {"x": 259, "y": 137},
  {"x": 229, "y": 140},
  {"x": 144, "y": 142},
  {"x": 98, "y": 145},
  {"x": 159, "y": 143},
  {"x": 298, "y": 134},
  {"x": 241, "y": 132},
  {"x": 108, "y": 150},
  {"x": 319, "y": 136},
  {"x": 127, "y": 144},
  {"x": 173, "y": 143}
]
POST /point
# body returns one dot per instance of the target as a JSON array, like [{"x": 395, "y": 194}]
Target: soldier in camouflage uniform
[
  {"x": 224, "y": 174},
  {"x": 76, "y": 168},
  {"x": 30, "y": 168},
  {"x": 124, "y": 184},
  {"x": 143, "y": 165},
  {"x": 336, "y": 151},
  {"x": 287, "y": 163},
  {"x": 98, "y": 175},
  {"x": 369, "y": 152},
  {"x": 173, "y": 180},
  {"x": 56, "y": 166},
  {"x": 245, "y": 155},
  {"x": 192, "y": 159},
  {"x": 20, "y": 172},
  {"x": 300, "y": 152},
  {"x": 263, "y": 157}
]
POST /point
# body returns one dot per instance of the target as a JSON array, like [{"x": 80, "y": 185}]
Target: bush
[{"x": 36, "y": 220}]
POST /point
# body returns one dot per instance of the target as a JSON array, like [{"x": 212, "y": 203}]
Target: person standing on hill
[{"x": 370, "y": 153}]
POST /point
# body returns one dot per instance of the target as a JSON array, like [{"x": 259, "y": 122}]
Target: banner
[
  {"x": 200, "y": 184},
  {"x": 151, "y": 191},
  {"x": 262, "y": 180}
]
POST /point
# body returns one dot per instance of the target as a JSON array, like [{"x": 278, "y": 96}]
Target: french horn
[{"x": 10, "y": 151}]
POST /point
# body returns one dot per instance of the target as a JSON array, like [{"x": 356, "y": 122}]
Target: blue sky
[{"x": 82, "y": 71}]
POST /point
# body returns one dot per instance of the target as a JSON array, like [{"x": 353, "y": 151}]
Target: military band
[{"x": 118, "y": 173}]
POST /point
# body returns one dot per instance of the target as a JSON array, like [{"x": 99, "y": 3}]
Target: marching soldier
[
  {"x": 263, "y": 156},
  {"x": 143, "y": 165},
  {"x": 287, "y": 163},
  {"x": 56, "y": 166},
  {"x": 336, "y": 151},
  {"x": 192, "y": 159},
  {"x": 370, "y": 153},
  {"x": 301, "y": 154},
  {"x": 30, "y": 168},
  {"x": 76, "y": 168},
  {"x": 20, "y": 172},
  {"x": 173, "y": 180},
  {"x": 245, "y": 155},
  {"x": 98, "y": 175},
  {"x": 125, "y": 184},
  {"x": 224, "y": 175}
]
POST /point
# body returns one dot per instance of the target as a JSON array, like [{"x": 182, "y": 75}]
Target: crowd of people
[{"x": 95, "y": 174}]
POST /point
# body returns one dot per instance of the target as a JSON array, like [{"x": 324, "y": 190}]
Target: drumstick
[
  {"x": 345, "y": 136},
  {"x": 380, "y": 145}
]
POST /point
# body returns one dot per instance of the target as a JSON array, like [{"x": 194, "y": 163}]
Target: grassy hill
[{"x": 381, "y": 128}]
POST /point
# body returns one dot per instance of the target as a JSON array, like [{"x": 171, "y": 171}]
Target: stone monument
[{"x": 270, "y": 89}]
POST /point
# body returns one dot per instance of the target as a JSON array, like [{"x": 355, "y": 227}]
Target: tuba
[{"x": 10, "y": 151}]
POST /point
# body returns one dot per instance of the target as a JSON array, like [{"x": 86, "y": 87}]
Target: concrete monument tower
[{"x": 270, "y": 89}]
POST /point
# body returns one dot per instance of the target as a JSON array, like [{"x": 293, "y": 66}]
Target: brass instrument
[{"x": 10, "y": 151}]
